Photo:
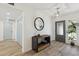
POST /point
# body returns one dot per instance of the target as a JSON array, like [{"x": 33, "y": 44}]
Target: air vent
[{"x": 11, "y": 4}]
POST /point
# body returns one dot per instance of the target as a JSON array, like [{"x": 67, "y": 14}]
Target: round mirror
[{"x": 39, "y": 23}]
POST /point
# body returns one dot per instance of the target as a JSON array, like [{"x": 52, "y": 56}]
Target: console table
[{"x": 40, "y": 42}]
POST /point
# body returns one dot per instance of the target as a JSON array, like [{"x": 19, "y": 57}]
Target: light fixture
[
  {"x": 8, "y": 13},
  {"x": 57, "y": 12}
]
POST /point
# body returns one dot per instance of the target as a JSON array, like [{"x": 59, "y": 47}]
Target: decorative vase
[
  {"x": 38, "y": 35},
  {"x": 72, "y": 43}
]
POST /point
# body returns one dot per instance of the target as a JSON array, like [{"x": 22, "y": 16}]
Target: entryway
[{"x": 60, "y": 31}]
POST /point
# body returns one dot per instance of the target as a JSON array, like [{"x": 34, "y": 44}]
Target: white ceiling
[
  {"x": 51, "y": 7},
  {"x": 41, "y": 5},
  {"x": 7, "y": 11},
  {"x": 46, "y": 7}
]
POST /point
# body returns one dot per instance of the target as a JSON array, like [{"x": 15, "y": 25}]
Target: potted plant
[{"x": 72, "y": 32}]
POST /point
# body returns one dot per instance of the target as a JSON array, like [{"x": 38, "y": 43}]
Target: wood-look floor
[
  {"x": 10, "y": 48},
  {"x": 56, "y": 49}
]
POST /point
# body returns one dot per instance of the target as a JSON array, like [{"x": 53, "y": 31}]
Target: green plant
[{"x": 71, "y": 30}]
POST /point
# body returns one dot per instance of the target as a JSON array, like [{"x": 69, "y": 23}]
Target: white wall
[
  {"x": 28, "y": 28},
  {"x": 77, "y": 34},
  {"x": 1, "y": 30},
  {"x": 47, "y": 23}
]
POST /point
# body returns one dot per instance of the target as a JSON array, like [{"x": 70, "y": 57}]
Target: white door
[
  {"x": 8, "y": 30},
  {"x": 19, "y": 32}
]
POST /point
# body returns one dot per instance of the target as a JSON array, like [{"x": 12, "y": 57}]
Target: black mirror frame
[{"x": 35, "y": 24}]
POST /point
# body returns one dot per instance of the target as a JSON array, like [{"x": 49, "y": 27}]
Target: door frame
[{"x": 63, "y": 30}]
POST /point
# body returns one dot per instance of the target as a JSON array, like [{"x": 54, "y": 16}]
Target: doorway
[
  {"x": 8, "y": 30},
  {"x": 60, "y": 31}
]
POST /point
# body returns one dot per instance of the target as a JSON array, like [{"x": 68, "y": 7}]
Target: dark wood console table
[{"x": 40, "y": 42}]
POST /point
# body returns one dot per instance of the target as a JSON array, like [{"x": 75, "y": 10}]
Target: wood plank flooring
[
  {"x": 56, "y": 49},
  {"x": 10, "y": 48}
]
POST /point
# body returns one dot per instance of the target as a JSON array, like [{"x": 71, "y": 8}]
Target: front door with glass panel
[{"x": 60, "y": 31}]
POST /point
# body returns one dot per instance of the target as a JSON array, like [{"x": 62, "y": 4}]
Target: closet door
[
  {"x": 19, "y": 32},
  {"x": 60, "y": 31},
  {"x": 8, "y": 30}
]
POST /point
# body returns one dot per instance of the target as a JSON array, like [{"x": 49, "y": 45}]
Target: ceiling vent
[{"x": 11, "y": 4}]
